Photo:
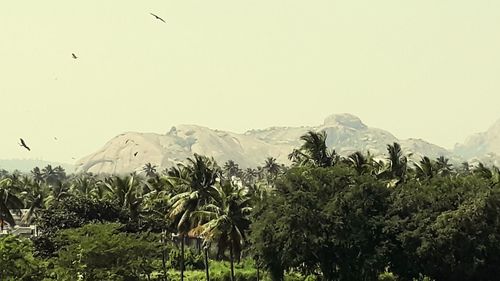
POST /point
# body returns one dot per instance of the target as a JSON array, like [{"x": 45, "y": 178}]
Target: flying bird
[
  {"x": 55, "y": 138},
  {"x": 23, "y": 144},
  {"x": 135, "y": 154},
  {"x": 74, "y": 56},
  {"x": 157, "y": 17}
]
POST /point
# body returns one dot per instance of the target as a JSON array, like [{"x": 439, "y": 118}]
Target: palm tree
[
  {"x": 227, "y": 219},
  {"x": 425, "y": 168},
  {"x": 482, "y": 171},
  {"x": 53, "y": 176},
  {"x": 150, "y": 170},
  {"x": 443, "y": 167},
  {"x": 297, "y": 157},
  {"x": 231, "y": 169},
  {"x": 272, "y": 168},
  {"x": 8, "y": 201},
  {"x": 57, "y": 191},
  {"x": 398, "y": 162},
  {"x": 465, "y": 168},
  {"x": 358, "y": 162},
  {"x": 198, "y": 180},
  {"x": 84, "y": 185},
  {"x": 314, "y": 151},
  {"x": 128, "y": 191},
  {"x": 34, "y": 195},
  {"x": 37, "y": 174},
  {"x": 250, "y": 176}
]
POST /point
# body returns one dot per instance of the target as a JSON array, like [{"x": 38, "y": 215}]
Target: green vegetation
[{"x": 325, "y": 217}]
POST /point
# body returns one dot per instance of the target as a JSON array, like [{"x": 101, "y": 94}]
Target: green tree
[
  {"x": 227, "y": 220},
  {"x": 314, "y": 151},
  {"x": 231, "y": 169},
  {"x": 398, "y": 163},
  {"x": 198, "y": 180},
  {"x": 322, "y": 219},
  {"x": 17, "y": 260},
  {"x": 425, "y": 169},
  {"x": 9, "y": 200},
  {"x": 150, "y": 170},
  {"x": 443, "y": 166},
  {"x": 446, "y": 228},
  {"x": 271, "y": 168},
  {"x": 103, "y": 252}
]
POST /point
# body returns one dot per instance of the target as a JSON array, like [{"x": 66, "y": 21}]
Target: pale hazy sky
[{"x": 428, "y": 69}]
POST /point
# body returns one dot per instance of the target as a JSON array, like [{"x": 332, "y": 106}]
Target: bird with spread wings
[
  {"x": 158, "y": 18},
  {"x": 23, "y": 144}
]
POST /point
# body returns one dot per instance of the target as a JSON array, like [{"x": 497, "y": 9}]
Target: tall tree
[
  {"x": 9, "y": 200},
  {"x": 272, "y": 168},
  {"x": 425, "y": 168},
  {"x": 150, "y": 170},
  {"x": 314, "y": 151},
  {"x": 398, "y": 162},
  {"x": 228, "y": 219},
  {"x": 231, "y": 169},
  {"x": 443, "y": 167},
  {"x": 198, "y": 180}
]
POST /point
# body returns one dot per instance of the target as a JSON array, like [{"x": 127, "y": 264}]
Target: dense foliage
[{"x": 325, "y": 217}]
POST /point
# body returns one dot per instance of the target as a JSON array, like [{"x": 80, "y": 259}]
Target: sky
[{"x": 424, "y": 69}]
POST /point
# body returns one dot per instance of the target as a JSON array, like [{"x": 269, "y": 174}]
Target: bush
[
  {"x": 17, "y": 261},
  {"x": 387, "y": 276},
  {"x": 192, "y": 261}
]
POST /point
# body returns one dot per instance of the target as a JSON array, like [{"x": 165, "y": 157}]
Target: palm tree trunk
[
  {"x": 258, "y": 270},
  {"x": 231, "y": 261},
  {"x": 164, "y": 267},
  {"x": 163, "y": 263},
  {"x": 206, "y": 263},
  {"x": 182, "y": 257}
]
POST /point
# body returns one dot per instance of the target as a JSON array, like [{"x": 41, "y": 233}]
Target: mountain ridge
[{"x": 346, "y": 133}]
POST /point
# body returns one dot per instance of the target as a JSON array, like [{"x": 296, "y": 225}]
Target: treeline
[{"x": 325, "y": 217}]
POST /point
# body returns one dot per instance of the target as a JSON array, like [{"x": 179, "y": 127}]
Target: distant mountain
[
  {"x": 26, "y": 165},
  {"x": 484, "y": 147},
  {"x": 346, "y": 133}
]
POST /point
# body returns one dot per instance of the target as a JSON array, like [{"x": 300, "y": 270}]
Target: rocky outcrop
[{"x": 346, "y": 133}]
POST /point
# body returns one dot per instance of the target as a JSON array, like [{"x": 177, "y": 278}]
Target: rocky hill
[
  {"x": 484, "y": 147},
  {"x": 346, "y": 133}
]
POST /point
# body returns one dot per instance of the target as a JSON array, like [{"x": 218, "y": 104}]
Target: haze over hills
[
  {"x": 129, "y": 151},
  {"x": 346, "y": 133},
  {"x": 484, "y": 146},
  {"x": 26, "y": 165}
]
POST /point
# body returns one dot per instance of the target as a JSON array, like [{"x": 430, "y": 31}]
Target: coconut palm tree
[
  {"x": 315, "y": 151},
  {"x": 272, "y": 168},
  {"x": 231, "y": 169},
  {"x": 297, "y": 157},
  {"x": 425, "y": 168},
  {"x": 86, "y": 185},
  {"x": 8, "y": 201},
  {"x": 150, "y": 170},
  {"x": 35, "y": 194},
  {"x": 197, "y": 179},
  {"x": 397, "y": 161},
  {"x": 227, "y": 219},
  {"x": 443, "y": 167},
  {"x": 482, "y": 171},
  {"x": 128, "y": 191},
  {"x": 37, "y": 174},
  {"x": 57, "y": 191},
  {"x": 250, "y": 176},
  {"x": 358, "y": 162}
]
